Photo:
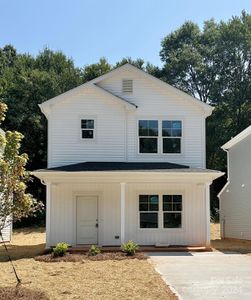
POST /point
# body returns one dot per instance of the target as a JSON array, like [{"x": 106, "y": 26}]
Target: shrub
[
  {"x": 93, "y": 251},
  {"x": 60, "y": 249},
  {"x": 130, "y": 248}
]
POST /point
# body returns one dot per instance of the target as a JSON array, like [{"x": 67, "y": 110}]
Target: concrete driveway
[{"x": 207, "y": 275}]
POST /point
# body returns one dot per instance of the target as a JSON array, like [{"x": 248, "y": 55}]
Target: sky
[{"x": 87, "y": 30}]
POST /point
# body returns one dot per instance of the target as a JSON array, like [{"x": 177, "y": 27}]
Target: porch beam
[{"x": 122, "y": 211}]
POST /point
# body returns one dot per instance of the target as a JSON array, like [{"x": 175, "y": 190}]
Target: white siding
[
  {"x": 154, "y": 101},
  {"x": 6, "y": 231},
  {"x": 63, "y": 213},
  {"x": 65, "y": 143},
  {"x": 117, "y": 128},
  {"x": 235, "y": 201}
]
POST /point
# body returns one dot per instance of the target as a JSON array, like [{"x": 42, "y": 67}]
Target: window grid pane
[
  {"x": 148, "y": 127},
  {"x": 87, "y": 124}
]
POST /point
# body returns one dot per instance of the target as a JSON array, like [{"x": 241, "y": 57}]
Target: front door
[{"x": 87, "y": 219}]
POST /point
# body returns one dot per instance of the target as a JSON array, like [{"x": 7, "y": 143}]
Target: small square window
[
  {"x": 171, "y": 145},
  {"x": 87, "y": 129},
  {"x": 172, "y": 220}
]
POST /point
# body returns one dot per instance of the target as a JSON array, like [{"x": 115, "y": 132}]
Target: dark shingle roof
[{"x": 116, "y": 166}]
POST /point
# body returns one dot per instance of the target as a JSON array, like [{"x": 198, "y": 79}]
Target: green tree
[
  {"x": 92, "y": 71},
  {"x": 15, "y": 202},
  {"x": 213, "y": 64}
]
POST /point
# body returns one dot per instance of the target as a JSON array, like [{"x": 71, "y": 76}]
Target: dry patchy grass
[
  {"x": 226, "y": 245},
  {"x": 110, "y": 279}
]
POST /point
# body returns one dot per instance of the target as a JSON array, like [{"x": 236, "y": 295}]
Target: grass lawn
[
  {"x": 234, "y": 245},
  {"x": 127, "y": 279}
]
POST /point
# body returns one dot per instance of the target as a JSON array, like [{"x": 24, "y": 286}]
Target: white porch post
[
  {"x": 48, "y": 213},
  {"x": 207, "y": 199},
  {"x": 122, "y": 211}
]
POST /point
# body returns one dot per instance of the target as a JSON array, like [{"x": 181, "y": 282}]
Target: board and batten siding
[
  {"x": 117, "y": 128},
  {"x": 63, "y": 213},
  {"x": 235, "y": 200}
]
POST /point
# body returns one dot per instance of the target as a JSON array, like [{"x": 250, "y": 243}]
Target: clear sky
[{"x": 89, "y": 29}]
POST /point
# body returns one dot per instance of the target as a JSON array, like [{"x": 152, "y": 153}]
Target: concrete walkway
[{"x": 207, "y": 275}]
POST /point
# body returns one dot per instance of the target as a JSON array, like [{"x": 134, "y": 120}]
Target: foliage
[
  {"x": 14, "y": 200},
  {"x": 60, "y": 249},
  {"x": 214, "y": 64},
  {"x": 94, "y": 250},
  {"x": 130, "y": 247}
]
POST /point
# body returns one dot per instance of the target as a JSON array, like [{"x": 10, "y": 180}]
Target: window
[
  {"x": 148, "y": 210},
  {"x": 172, "y": 211},
  {"x": 127, "y": 86},
  {"x": 87, "y": 129},
  {"x": 148, "y": 136},
  {"x": 171, "y": 133}
]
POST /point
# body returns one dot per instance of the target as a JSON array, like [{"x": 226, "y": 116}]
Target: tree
[
  {"x": 92, "y": 71},
  {"x": 214, "y": 65},
  {"x": 15, "y": 202}
]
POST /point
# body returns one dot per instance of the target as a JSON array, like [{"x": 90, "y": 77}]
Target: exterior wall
[
  {"x": 64, "y": 138},
  {"x": 62, "y": 225},
  {"x": 117, "y": 128},
  {"x": 235, "y": 200},
  {"x": 6, "y": 232}
]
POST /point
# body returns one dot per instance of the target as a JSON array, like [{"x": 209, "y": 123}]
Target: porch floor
[{"x": 85, "y": 248}]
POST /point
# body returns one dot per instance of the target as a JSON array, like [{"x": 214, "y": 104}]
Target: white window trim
[
  {"x": 88, "y": 117},
  {"x": 160, "y": 137},
  {"x": 160, "y": 212}
]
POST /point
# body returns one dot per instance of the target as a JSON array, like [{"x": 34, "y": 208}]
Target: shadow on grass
[{"x": 21, "y": 251}]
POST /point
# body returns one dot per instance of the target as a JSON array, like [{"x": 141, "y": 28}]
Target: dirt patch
[
  {"x": 13, "y": 293},
  {"x": 228, "y": 245},
  {"x": 83, "y": 257}
]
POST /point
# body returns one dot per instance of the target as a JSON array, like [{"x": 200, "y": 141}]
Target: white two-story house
[{"x": 126, "y": 161}]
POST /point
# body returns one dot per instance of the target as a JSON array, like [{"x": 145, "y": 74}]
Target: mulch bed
[
  {"x": 13, "y": 293},
  {"x": 84, "y": 257}
]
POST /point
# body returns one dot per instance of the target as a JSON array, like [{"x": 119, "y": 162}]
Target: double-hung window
[
  {"x": 151, "y": 132},
  {"x": 148, "y": 136},
  {"x": 148, "y": 211},
  {"x": 171, "y": 134},
  {"x": 87, "y": 129},
  {"x": 172, "y": 211}
]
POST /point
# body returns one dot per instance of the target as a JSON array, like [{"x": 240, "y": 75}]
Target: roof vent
[{"x": 127, "y": 85}]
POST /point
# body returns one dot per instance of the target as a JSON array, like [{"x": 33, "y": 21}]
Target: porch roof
[{"x": 124, "y": 166}]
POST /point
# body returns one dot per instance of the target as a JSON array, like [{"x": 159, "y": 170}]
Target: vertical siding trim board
[
  {"x": 207, "y": 210},
  {"x": 122, "y": 211},
  {"x": 48, "y": 214}
]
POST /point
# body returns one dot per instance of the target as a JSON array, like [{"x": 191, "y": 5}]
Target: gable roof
[
  {"x": 45, "y": 106},
  {"x": 238, "y": 138}
]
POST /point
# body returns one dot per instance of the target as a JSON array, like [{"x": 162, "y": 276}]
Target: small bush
[
  {"x": 93, "y": 251},
  {"x": 130, "y": 248},
  {"x": 60, "y": 249}
]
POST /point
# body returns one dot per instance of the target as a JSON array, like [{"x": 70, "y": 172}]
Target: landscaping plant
[
  {"x": 130, "y": 247},
  {"x": 93, "y": 251},
  {"x": 60, "y": 249}
]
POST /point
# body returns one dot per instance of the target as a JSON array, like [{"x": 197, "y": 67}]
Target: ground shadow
[
  {"x": 21, "y": 251},
  {"x": 231, "y": 246}
]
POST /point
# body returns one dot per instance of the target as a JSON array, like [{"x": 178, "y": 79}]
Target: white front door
[{"x": 87, "y": 219}]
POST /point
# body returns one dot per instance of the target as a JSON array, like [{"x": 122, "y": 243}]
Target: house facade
[
  {"x": 126, "y": 161},
  {"x": 235, "y": 199}
]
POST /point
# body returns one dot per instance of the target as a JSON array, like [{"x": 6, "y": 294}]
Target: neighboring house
[
  {"x": 126, "y": 161},
  {"x": 235, "y": 197},
  {"x": 7, "y": 230}
]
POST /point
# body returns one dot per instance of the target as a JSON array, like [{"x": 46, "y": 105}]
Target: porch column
[
  {"x": 122, "y": 211},
  {"x": 208, "y": 213},
  {"x": 48, "y": 213}
]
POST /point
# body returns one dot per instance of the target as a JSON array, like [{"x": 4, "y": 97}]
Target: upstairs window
[
  {"x": 127, "y": 86},
  {"x": 148, "y": 136},
  {"x": 171, "y": 134},
  {"x": 87, "y": 129}
]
